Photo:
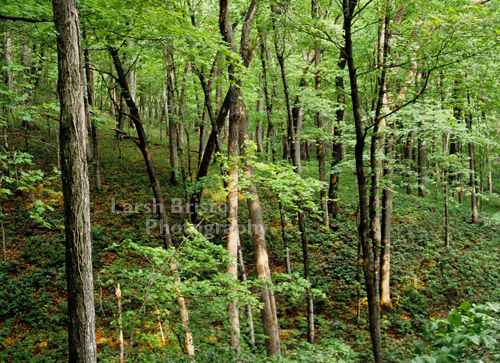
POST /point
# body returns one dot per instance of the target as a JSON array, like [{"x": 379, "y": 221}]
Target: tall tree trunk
[
  {"x": 9, "y": 73},
  {"x": 121, "y": 117},
  {"x": 307, "y": 276},
  {"x": 488, "y": 160},
  {"x": 248, "y": 307},
  {"x": 261, "y": 260},
  {"x": 236, "y": 114},
  {"x": 172, "y": 126},
  {"x": 290, "y": 138},
  {"x": 94, "y": 129},
  {"x": 377, "y": 141},
  {"x": 269, "y": 106},
  {"x": 472, "y": 164},
  {"x": 385, "y": 258},
  {"x": 180, "y": 134},
  {"x": 155, "y": 184},
  {"x": 288, "y": 267},
  {"x": 71, "y": 89},
  {"x": 259, "y": 132},
  {"x": 337, "y": 141},
  {"x": 422, "y": 162},
  {"x": 26, "y": 63},
  {"x": 321, "y": 148},
  {"x": 203, "y": 135},
  {"x": 348, "y": 7}
]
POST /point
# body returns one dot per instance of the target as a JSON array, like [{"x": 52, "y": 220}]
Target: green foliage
[{"x": 470, "y": 334}]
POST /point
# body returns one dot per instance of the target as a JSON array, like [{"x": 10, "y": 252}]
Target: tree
[{"x": 71, "y": 89}]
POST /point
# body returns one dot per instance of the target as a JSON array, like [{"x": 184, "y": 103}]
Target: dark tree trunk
[
  {"x": 71, "y": 89},
  {"x": 349, "y": 7},
  {"x": 155, "y": 184},
  {"x": 321, "y": 149}
]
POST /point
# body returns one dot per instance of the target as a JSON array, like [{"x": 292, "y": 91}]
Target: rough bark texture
[{"x": 71, "y": 89}]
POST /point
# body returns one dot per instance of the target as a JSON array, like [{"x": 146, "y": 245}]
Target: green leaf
[
  {"x": 455, "y": 319},
  {"x": 475, "y": 339},
  {"x": 466, "y": 306}
]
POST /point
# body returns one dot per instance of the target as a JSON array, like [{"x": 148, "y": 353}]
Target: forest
[{"x": 250, "y": 181}]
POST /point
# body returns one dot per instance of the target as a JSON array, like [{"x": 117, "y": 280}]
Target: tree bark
[
  {"x": 71, "y": 89},
  {"x": 377, "y": 140},
  {"x": 236, "y": 114},
  {"x": 348, "y": 7}
]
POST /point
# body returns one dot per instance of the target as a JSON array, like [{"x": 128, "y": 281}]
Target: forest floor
[{"x": 427, "y": 280}]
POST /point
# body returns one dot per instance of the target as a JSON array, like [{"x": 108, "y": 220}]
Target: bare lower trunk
[
  {"x": 349, "y": 7},
  {"x": 248, "y": 307},
  {"x": 237, "y": 113},
  {"x": 321, "y": 150},
  {"x": 71, "y": 89},
  {"x": 307, "y": 275},
  {"x": 385, "y": 260},
  {"x": 288, "y": 267}
]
